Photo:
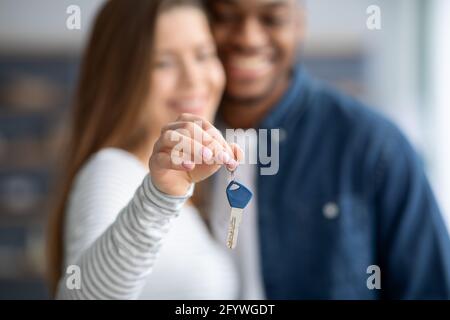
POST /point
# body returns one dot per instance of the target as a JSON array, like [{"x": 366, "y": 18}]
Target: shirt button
[{"x": 330, "y": 210}]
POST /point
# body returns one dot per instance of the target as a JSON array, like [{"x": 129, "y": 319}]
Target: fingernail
[
  {"x": 207, "y": 154},
  {"x": 188, "y": 165},
  {"x": 232, "y": 165},
  {"x": 225, "y": 157}
]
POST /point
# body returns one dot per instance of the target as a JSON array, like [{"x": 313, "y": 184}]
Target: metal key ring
[{"x": 232, "y": 174}]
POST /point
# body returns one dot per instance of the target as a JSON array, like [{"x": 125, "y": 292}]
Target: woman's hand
[{"x": 188, "y": 151}]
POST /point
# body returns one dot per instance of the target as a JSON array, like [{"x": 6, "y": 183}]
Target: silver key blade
[{"x": 233, "y": 227}]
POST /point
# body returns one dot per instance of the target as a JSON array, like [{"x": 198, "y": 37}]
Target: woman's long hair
[{"x": 109, "y": 105}]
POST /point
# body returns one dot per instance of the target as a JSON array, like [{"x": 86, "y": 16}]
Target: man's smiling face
[{"x": 257, "y": 41}]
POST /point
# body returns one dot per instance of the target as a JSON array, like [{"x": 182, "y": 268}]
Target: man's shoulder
[
  {"x": 346, "y": 110},
  {"x": 339, "y": 122},
  {"x": 335, "y": 112}
]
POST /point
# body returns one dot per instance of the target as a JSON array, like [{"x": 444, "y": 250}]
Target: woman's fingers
[
  {"x": 172, "y": 132},
  {"x": 183, "y": 147},
  {"x": 165, "y": 160},
  {"x": 221, "y": 150},
  {"x": 206, "y": 126},
  {"x": 238, "y": 155},
  {"x": 190, "y": 150}
]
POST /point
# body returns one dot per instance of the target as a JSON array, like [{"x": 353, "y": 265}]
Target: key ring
[{"x": 232, "y": 175}]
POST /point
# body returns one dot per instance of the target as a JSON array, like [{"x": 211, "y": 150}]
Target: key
[{"x": 238, "y": 197}]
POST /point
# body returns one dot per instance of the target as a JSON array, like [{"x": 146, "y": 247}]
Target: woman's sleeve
[{"x": 112, "y": 260}]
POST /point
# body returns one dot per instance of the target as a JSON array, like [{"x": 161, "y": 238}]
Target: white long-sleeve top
[{"x": 132, "y": 241}]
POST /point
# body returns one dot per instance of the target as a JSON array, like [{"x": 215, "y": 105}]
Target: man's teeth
[{"x": 249, "y": 63}]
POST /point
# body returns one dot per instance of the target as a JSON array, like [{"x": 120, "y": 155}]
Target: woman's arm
[{"x": 116, "y": 264}]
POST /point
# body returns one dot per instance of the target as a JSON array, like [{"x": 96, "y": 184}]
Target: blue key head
[{"x": 238, "y": 195}]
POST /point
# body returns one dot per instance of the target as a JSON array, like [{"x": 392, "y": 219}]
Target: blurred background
[{"x": 402, "y": 70}]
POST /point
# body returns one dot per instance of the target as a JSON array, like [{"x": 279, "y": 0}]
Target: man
[{"x": 350, "y": 214}]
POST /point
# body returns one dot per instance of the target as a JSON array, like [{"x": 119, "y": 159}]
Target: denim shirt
[{"x": 350, "y": 193}]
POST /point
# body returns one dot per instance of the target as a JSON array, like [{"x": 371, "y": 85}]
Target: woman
[{"x": 150, "y": 80}]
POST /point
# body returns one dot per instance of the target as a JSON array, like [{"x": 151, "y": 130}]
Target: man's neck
[{"x": 241, "y": 114}]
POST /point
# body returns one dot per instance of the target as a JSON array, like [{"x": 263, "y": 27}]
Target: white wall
[
  {"x": 40, "y": 26},
  {"x": 394, "y": 66},
  {"x": 339, "y": 27},
  {"x": 438, "y": 99}
]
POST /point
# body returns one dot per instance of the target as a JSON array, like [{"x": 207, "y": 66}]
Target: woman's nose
[{"x": 190, "y": 73}]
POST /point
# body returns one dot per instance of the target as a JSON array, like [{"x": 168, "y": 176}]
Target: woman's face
[{"x": 186, "y": 76}]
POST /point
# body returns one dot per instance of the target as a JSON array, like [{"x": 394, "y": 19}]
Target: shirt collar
[{"x": 293, "y": 97}]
